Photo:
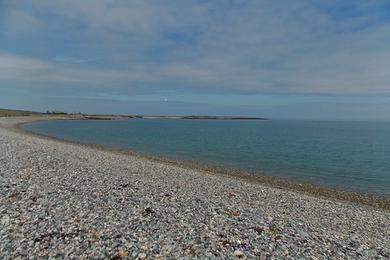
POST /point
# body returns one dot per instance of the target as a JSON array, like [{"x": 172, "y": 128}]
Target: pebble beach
[{"x": 64, "y": 200}]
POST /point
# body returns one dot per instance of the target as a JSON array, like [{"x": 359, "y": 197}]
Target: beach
[{"x": 66, "y": 200}]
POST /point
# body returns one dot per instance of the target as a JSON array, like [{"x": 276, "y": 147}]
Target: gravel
[{"x": 62, "y": 200}]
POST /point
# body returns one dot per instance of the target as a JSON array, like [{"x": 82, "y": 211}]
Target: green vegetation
[{"x": 10, "y": 112}]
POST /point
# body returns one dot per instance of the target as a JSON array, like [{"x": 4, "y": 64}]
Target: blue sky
[{"x": 282, "y": 59}]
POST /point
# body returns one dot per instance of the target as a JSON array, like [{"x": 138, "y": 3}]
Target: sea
[{"x": 348, "y": 155}]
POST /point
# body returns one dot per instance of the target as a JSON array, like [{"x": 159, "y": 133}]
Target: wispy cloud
[
  {"x": 65, "y": 59},
  {"x": 35, "y": 71},
  {"x": 304, "y": 47}
]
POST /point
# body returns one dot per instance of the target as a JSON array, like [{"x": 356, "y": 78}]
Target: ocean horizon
[{"x": 350, "y": 155}]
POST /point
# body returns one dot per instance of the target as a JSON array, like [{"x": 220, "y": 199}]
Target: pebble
[
  {"x": 63, "y": 200},
  {"x": 239, "y": 253}
]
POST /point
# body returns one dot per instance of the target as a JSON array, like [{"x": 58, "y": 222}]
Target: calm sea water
[{"x": 351, "y": 155}]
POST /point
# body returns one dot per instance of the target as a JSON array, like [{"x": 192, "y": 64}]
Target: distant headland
[{"x": 86, "y": 116}]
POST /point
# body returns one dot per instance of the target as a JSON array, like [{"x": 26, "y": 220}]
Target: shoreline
[
  {"x": 60, "y": 199},
  {"x": 284, "y": 183}
]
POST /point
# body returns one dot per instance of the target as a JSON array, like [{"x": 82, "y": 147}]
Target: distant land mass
[
  {"x": 12, "y": 112},
  {"x": 84, "y": 116},
  {"x": 117, "y": 117}
]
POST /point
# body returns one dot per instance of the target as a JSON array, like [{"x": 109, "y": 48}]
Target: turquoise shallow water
[{"x": 351, "y": 155}]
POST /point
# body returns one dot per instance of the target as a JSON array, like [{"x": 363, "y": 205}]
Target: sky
[{"x": 307, "y": 59}]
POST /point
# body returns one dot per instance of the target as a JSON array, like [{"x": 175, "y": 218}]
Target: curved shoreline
[{"x": 328, "y": 192}]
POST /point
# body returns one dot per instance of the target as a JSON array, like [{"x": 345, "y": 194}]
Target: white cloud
[
  {"x": 246, "y": 46},
  {"x": 37, "y": 72}
]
